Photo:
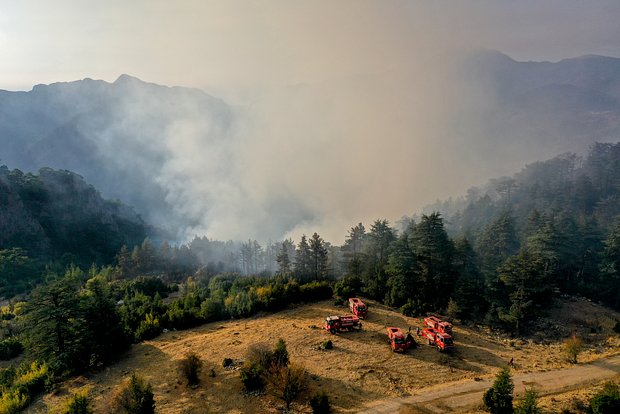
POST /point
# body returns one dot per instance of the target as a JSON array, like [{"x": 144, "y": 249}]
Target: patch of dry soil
[{"x": 360, "y": 371}]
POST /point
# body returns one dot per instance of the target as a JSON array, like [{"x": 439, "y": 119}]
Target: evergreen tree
[
  {"x": 498, "y": 398},
  {"x": 528, "y": 404},
  {"x": 353, "y": 250},
  {"x": 497, "y": 242},
  {"x": 53, "y": 324},
  {"x": 303, "y": 263},
  {"x": 435, "y": 254},
  {"x": 124, "y": 262},
  {"x": 379, "y": 239},
  {"x": 529, "y": 286},
  {"x": 401, "y": 270},
  {"x": 102, "y": 336},
  {"x": 284, "y": 261},
  {"x": 318, "y": 257},
  {"x": 470, "y": 282}
]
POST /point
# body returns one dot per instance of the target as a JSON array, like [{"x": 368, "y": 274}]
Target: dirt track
[{"x": 460, "y": 395}]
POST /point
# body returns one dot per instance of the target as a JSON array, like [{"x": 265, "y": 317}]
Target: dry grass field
[{"x": 359, "y": 371}]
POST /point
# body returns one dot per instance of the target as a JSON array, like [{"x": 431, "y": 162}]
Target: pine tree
[
  {"x": 470, "y": 282},
  {"x": 528, "y": 286},
  {"x": 303, "y": 264},
  {"x": 353, "y": 250},
  {"x": 435, "y": 254},
  {"x": 284, "y": 262},
  {"x": 402, "y": 273},
  {"x": 318, "y": 257},
  {"x": 53, "y": 324},
  {"x": 498, "y": 398},
  {"x": 376, "y": 252}
]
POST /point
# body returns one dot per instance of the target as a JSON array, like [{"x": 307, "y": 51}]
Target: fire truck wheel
[
  {"x": 332, "y": 331},
  {"x": 430, "y": 342}
]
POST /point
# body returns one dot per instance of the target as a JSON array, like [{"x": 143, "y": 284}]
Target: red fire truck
[{"x": 335, "y": 324}]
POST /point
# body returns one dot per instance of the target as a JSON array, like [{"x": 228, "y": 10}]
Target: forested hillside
[
  {"x": 551, "y": 227},
  {"x": 119, "y": 136},
  {"x": 56, "y": 216}
]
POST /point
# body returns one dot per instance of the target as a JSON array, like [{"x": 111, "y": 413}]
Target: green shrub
[
  {"x": 528, "y": 404},
  {"x": 149, "y": 328},
  {"x": 252, "y": 377},
  {"x": 315, "y": 291},
  {"x": 606, "y": 401},
  {"x": 190, "y": 367},
  {"x": 135, "y": 397},
  {"x": 327, "y": 344},
  {"x": 13, "y": 401},
  {"x": 498, "y": 398},
  {"x": 178, "y": 317},
  {"x": 10, "y": 348},
  {"x": 280, "y": 354},
  {"x": 31, "y": 379},
  {"x": 78, "y": 404},
  {"x": 319, "y": 403}
]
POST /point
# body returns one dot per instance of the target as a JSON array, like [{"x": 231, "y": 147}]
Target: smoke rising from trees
[{"x": 342, "y": 112}]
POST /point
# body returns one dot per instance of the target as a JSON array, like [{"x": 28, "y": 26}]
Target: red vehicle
[
  {"x": 438, "y": 325},
  {"x": 358, "y": 307},
  {"x": 442, "y": 341},
  {"x": 341, "y": 323},
  {"x": 398, "y": 341}
]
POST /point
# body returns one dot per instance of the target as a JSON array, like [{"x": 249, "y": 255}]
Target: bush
[
  {"x": 528, "y": 404},
  {"x": 78, "y": 404},
  {"x": 498, "y": 398},
  {"x": 617, "y": 327},
  {"x": 13, "y": 401},
  {"x": 260, "y": 354},
  {"x": 190, "y": 367},
  {"x": 572, "y": 348},
  {"x": 327, "y": 344},
  {"x": 286, "y": 382},
  {"x": 10, "y": 348},
  {"x": 135, "y": 397},
  {"x": 149, "y": 328},
  {"x": 320, "y": 403},
  {"x": 31, "y": 379},
  {"x": 412, "y": 308},
  {"x": 606, "y": 401},
  {"x": 227, "y": 362},
  {"x": 314, "y": 291},
  {"x": 280, "y": 354},
  {"x": 252, "y": 377}
]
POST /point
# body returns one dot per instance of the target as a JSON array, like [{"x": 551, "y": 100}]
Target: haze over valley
[{"x": 316, "y": 157}]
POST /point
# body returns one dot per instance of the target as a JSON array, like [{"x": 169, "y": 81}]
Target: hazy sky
[
  {"x": 232, "y": 43},
  {"x": 347, "y": 105}
]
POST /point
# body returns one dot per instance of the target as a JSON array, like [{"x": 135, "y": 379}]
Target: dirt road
[{"x": 456, "y": 397}]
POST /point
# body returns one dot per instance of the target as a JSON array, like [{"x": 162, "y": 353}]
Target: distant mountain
[
  {"x": 546, "y": 107},
  {"x": 116, "y": 135},
  {"x": 55, "y": 213}
]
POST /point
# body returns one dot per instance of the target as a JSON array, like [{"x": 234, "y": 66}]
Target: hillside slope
[
  {"x": 55, "y": 213},
  {"x": 357, "y": 373},
  {"x": 118, "y": 136}
]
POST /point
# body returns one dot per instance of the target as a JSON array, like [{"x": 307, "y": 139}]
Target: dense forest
[{"x": 499, "y": 256}]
